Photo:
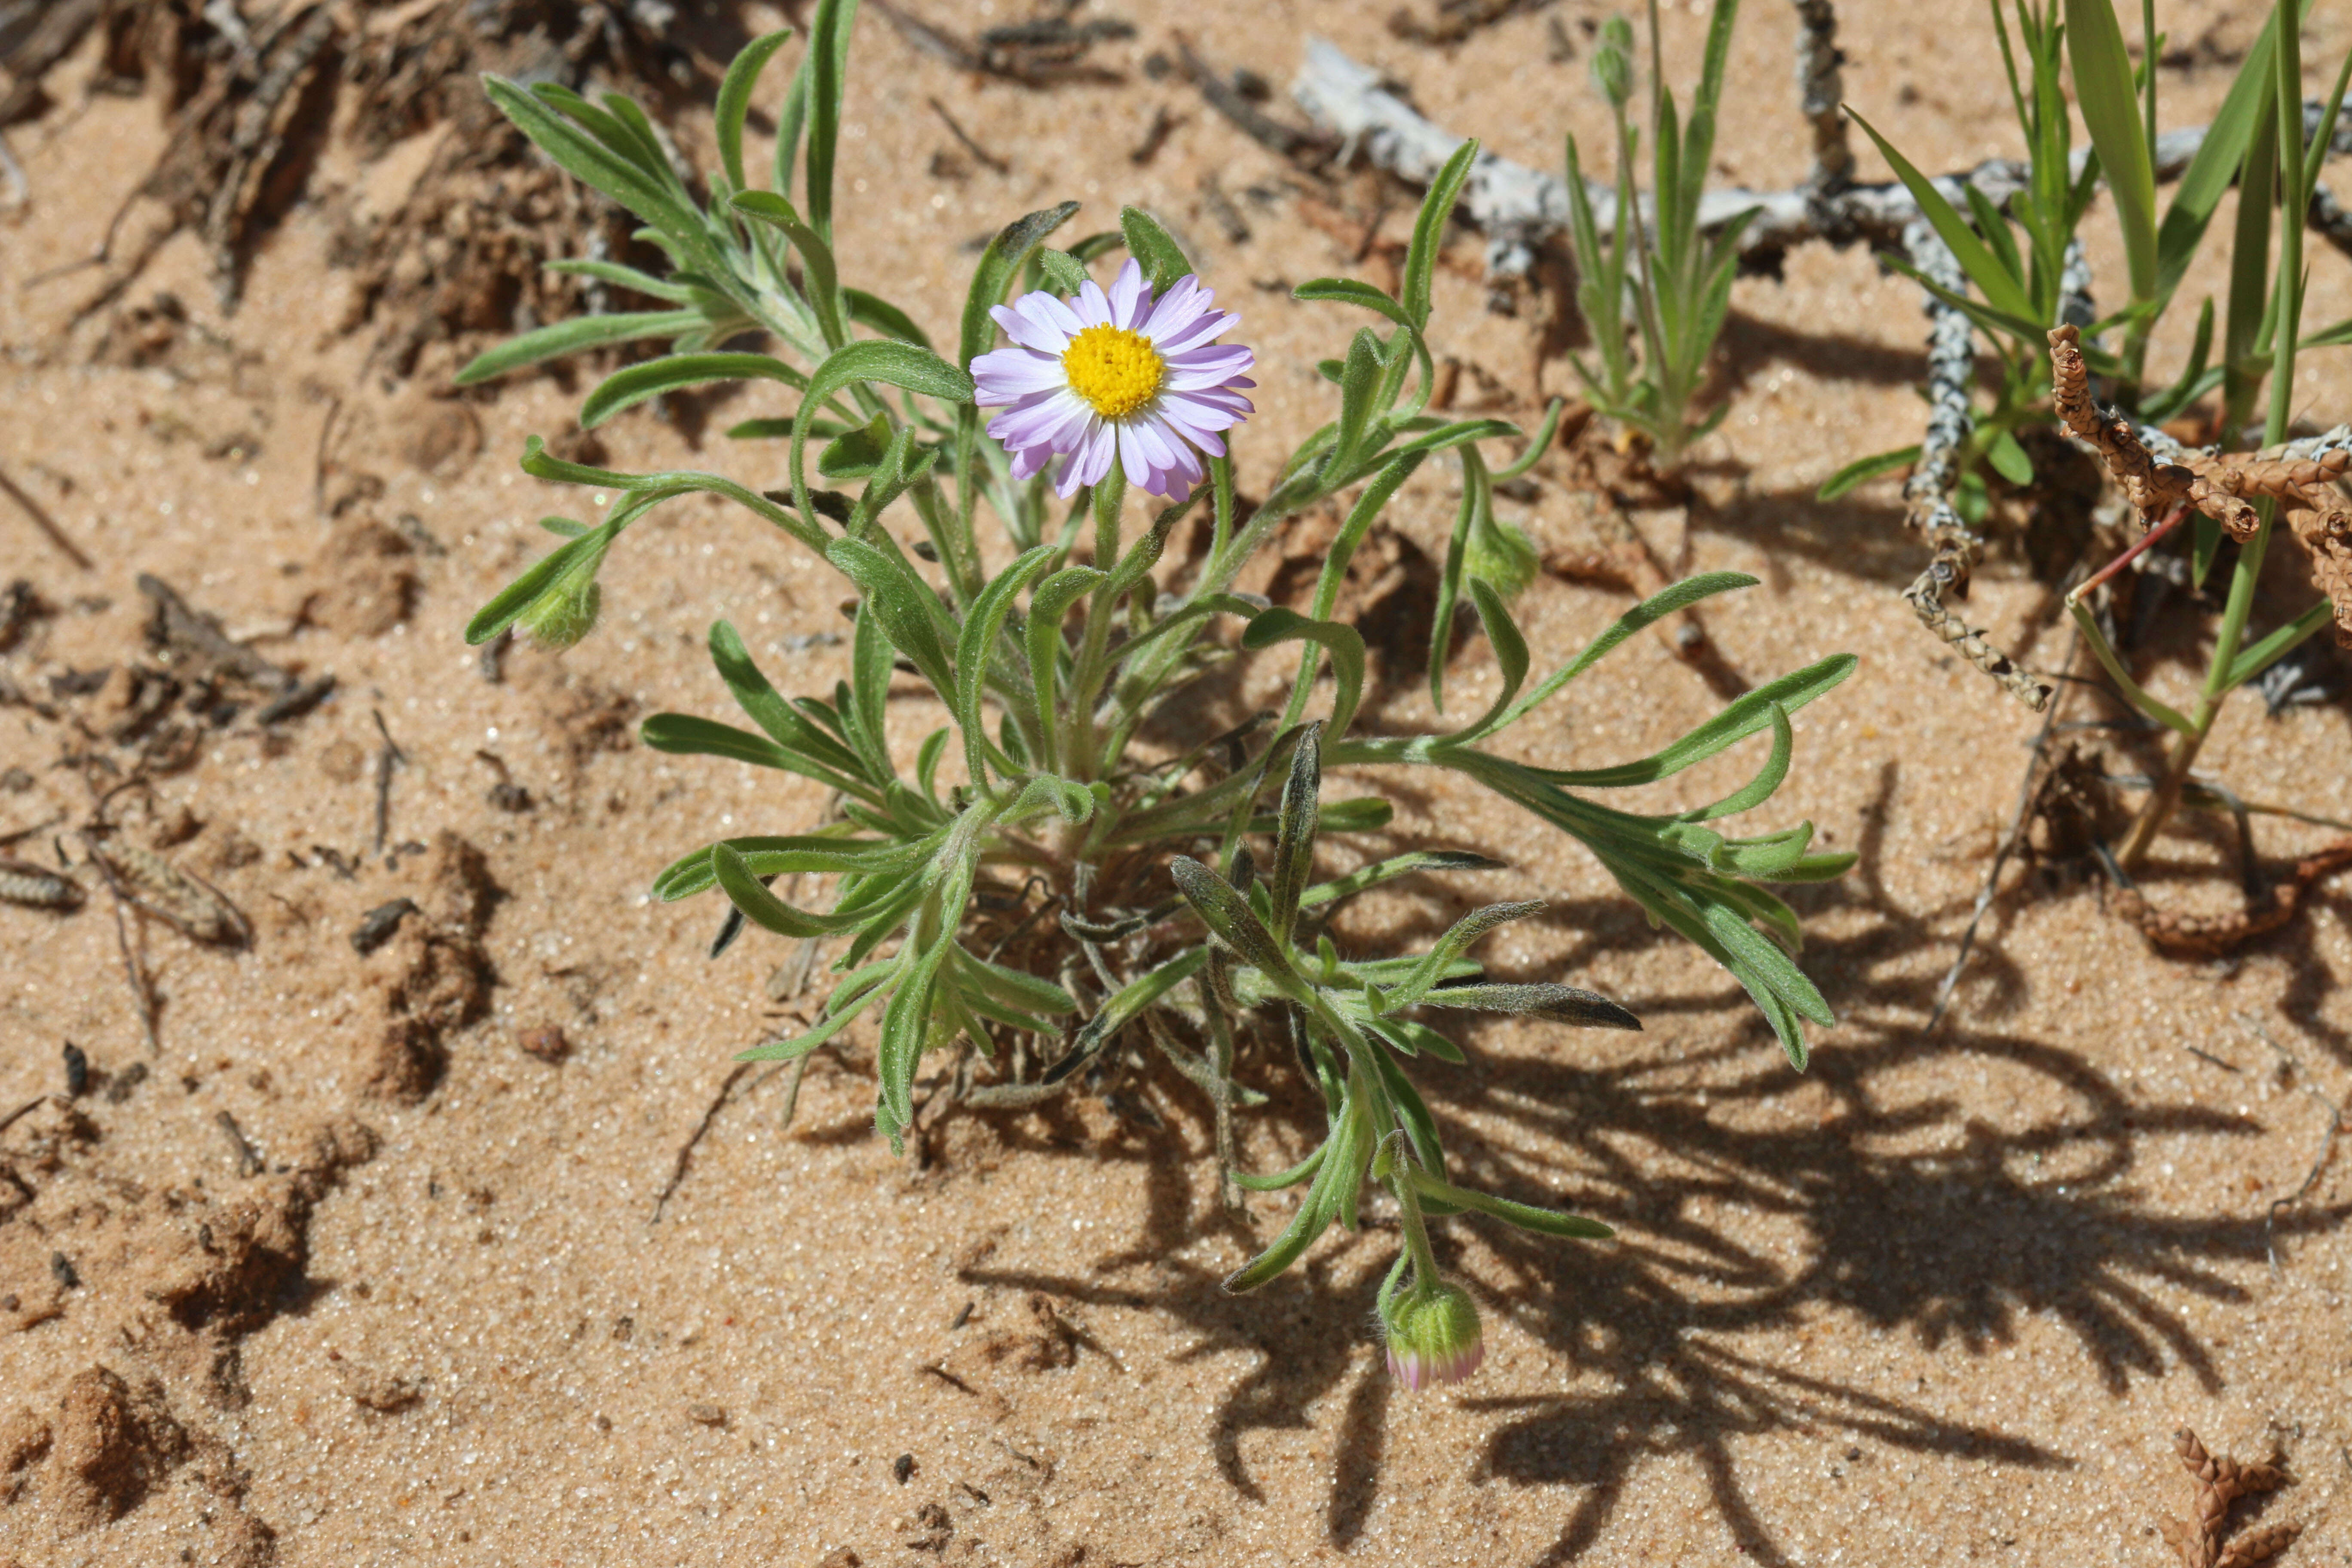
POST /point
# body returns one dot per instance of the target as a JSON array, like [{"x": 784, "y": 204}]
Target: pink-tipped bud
[{"x": 1434, "y": 1336}]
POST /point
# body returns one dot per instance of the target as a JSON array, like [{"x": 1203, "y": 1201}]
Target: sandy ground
[{"x": 1944, "y": 1298}]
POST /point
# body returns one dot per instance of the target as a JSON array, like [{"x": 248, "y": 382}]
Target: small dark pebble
[
  {"x": 902, "y": 1468},
  {"x": 77, "y": 1071},
  {"x": 15, "y": 780},
  {"x": 510, "y": 797},
  {"x": 378, "y": 925},
  {"x": 61, "y": 1268},
  {"x": 1851, "y": 1455},
  {"x": 544, "y": 1041},
  {"x": 707, "y": 1415}
]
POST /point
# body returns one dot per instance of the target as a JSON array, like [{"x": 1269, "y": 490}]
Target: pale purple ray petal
[
  {"x": 1092, "y": 307},
  {"x": 1030, "y": 328},
  {"x": 1176, "y": 309},
  {"x": 1130, "y": 302}
]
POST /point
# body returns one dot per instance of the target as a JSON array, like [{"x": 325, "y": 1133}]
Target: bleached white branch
[{"x": 1519, "y": 207}]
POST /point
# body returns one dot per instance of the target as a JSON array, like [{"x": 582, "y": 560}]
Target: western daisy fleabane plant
[
  {"x": 1116, "y": 374},
  {"x": 1038, "y": 898}
]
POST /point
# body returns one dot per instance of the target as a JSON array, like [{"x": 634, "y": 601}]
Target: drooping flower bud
[
  {"x": 1613, "y": 67},
  {"x": 564, "y": 614},
  {"x": 1434, "y": 1336}
]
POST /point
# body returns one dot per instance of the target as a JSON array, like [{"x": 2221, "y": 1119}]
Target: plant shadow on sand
[{"x": 1951, "y": 1185}]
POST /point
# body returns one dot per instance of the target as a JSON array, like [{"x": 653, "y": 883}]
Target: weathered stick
[
  {"x": 1951, "y": 368},
  {"x": 1519, "y": 207}
]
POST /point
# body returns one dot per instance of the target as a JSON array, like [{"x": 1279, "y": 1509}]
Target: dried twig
[
  {"x": 249, "y": 1163},
  {"x": 387, "y": 758},
  {"x": 1304, "y": 146},
  {"x": 2210, "y": 936},
  {"x": 686, "y": 1151},
  {"x": 45, "y": 523},
  {"x": 1519, "y": 207},
  {"x": 2299, "y": 476},
  {"x": 1821, "y": 91},
  {"x": 2218, "y": 1482},
  {"x": 963, "y": 139},
  {"x": 1046, "y": 53},
  {"x": 1951, "y": 369},
  {"x": 2326, "y": 1145},
  {"x": 2029, "y": 791}
]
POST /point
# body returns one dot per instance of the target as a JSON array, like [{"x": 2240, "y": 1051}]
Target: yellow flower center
[{"x": 1116, "y": 371}]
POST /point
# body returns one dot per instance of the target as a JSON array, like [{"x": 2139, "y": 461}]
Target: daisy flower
[{"x": 1116, "y": 374}]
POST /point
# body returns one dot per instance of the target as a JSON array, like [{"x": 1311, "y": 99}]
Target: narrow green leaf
[
  {"x": 1526, "y": 1216},
  {"x": 1294, "y": 846},
  {"x": 828, "y": 65},
  {"x": 1738, "y": 720},
  {"x": 1344, "y": 643},
  {"x": 895, "y": 597},
  {"x": 574, "y": 336},
  {"x": 1348, "y": 291},
  {"x": 2278, "y": 644},
  {"x": 1983, "y": 269},
  {"x": 507, "y": 605},
  {"x": 1162, "y": 257},
  {"x": 998, "y": 263},
  {"x": 872, "y": 360},
  {"x": 1229, "y": 916},
  {"x": 633, "y": 385},
  {"x": 763, "y": 908},
  {"x": 2104, "y": 92},
  {"x": 1657, "y": 607},
  {"x": 1510, "y": 655},
  {"x": 1125, "y": 1005},
  {"x": 877, "y": 314},
  {"x": 1396, "y": 866},
  {"x": 1429, "y": 232},
  {"x": 1863, "y": 469},
  {"x": 735, "y": 101},
  {"x": 976, "y": 646},
  {"x": 2009, "y": 460}
]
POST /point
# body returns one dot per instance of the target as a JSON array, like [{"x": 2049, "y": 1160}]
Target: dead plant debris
[
  {"x": 2220, "y": 487},
  {"x": 2217, "y": 1482}
]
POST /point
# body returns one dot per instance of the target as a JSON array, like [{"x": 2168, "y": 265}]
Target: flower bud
[
  {"x": 1612, "y": 68},
  {"x": 566, "y": 613},
  {"x": 1434, "y": 1336}
]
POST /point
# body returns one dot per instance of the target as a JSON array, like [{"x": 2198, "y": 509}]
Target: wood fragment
[
  {"x": 183, "y": 901},
  {"x": 2210, "y": 936},
  {"x": 2039, "y": 769},
  {"x": 685, "y": 1150},
  {"x": 45, "y": 523},
  {"x": 1307, "y": 147},
  {"x": 21, "y": 882},
  {"x": 386, "y": 759},
  {"x": 1951, "y": 372},
  {"x": 2218, "y": 1481},
  {"x": 249, "y": 1163},
  {"x": 2299, "y": 477},
  {"x": 189, "y": 631},
  {"x": 963, "y": 139},
  {"x": 1163, "y": 125},
  {"x": 1520, "y": 208},
  {"x": 1048, "y": 53}
]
